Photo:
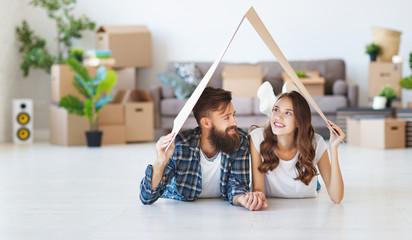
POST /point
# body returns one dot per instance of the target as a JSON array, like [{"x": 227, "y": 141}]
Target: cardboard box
[
  {"x": 314, "y": 83},
  {"x": 131, "y": 45},
  {"x": 113, "y": 112},
  {"x": 139, "y": 116},
  {"x": 377, "y": 133},
  {"x": 67, "y": 129},
  {"x": 62, "y": 82},
  {"x": 242, "y": 80},
  {"x": 113, "y": 134},
  {"x": 353, "y": 131},
  {"x": 384, "y": 73},
  {"x": 126, "y": 78}
]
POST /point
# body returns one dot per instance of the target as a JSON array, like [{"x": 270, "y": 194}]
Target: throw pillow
[
  {"x": 189, "y": 72},
  {"x": 181, "y": 88}
]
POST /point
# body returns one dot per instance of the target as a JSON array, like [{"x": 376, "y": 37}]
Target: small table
[{"x": 343, "y": 113}]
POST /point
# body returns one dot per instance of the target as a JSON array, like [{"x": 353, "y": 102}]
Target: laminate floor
[{"x": 54, "y": 192}]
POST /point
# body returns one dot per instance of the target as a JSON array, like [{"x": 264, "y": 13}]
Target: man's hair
[{"x": 212, "y": 99}]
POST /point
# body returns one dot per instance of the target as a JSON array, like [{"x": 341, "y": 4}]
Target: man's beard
[{"x": 223, "y": 141}]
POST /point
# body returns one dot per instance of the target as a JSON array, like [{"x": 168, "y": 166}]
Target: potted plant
[
  {"x": 97, "y": 93},
  {"x": 69, "y": 27},
  {"x": 373, "y": 50},
  {"x": 406, "y": 83},
  {"x": 389, "y": 93}
]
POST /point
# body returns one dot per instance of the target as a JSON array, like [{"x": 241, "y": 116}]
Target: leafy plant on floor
[
  {"x": 96, "y": 91},
  {"x": 33, "y": 48}
]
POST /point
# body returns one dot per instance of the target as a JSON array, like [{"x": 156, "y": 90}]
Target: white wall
[{"x": 199, "y": 30}]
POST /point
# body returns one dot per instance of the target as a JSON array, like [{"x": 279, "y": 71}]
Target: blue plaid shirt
[{"x": 182, "y": 178}]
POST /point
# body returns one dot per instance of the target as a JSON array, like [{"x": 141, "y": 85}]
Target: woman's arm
[
  {"x": 330, "y": 171},
  {"x": 257, "y": 177}
]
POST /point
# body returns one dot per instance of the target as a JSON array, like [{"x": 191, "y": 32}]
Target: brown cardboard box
[
  {"x": 131, "y": 45},
  {"x": 384, "y": 73},
  {"x": 67, "y": 129},
  {"x": 139, "y": 116},
  {"x": 353, "y": 131},
  {"x": 62, "y": 82},
  {"x": 314, "y": 83},
  {"x": 126, "y": 78},
  {"x": 113, "y": 113},
  {"x": 242, "y": 80},
  {"x": 113, "y": 134},
  {"x": 382, "y": 133}
]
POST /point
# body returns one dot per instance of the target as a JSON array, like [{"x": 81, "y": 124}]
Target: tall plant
[
  {"x": 33, "y": 48},
  {"x": 96, "y": 91}
]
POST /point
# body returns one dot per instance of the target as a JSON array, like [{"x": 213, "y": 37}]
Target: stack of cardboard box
[
  {"x": 378, "y": 132},
  {"x": 131, "y": 48},
  {"x": 242, "y": 80},
  {"x": 384, "y": 73}
]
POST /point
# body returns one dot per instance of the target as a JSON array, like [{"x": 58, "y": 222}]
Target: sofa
[{"x": 338, "y": 93}]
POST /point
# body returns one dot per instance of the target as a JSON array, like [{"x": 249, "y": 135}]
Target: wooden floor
[{"x": 54, "y": 192}]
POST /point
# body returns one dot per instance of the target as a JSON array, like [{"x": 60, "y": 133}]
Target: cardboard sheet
[{"x": 264, "y": 34}]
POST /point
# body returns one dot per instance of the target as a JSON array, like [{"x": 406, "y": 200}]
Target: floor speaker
[{"x": 22, "y": 121}]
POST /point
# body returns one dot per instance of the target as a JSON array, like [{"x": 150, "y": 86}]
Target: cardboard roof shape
[{"x": 264, "y": 34}]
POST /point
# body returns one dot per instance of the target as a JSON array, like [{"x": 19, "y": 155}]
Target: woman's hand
[
  {"x": 253, "y": 201},
  {"x": 335, "y": 138}
]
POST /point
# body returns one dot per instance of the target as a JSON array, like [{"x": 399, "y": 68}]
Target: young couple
[{"x": 212, "y": 160}]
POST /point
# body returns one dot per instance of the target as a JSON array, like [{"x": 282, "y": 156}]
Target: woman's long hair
[{"x": 303, "y": 138}]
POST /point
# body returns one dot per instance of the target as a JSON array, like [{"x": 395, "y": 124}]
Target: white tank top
[{"x": 280, "y": 182}]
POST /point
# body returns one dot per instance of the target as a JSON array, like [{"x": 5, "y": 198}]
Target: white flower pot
[{"x": 379, "y": 102}]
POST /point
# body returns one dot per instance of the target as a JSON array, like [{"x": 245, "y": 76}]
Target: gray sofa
[{"x": 338, "y": 94}]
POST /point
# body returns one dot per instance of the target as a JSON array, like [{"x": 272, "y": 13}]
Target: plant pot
[
  {"x": 388, "y": 103},
  {"x": 379, "y": 102},
  {"x": 94, "y": 138},
  {"x": 373, "y": 56}
]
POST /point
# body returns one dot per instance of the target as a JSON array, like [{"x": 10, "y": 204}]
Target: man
[{"x": 209, "y": 161}]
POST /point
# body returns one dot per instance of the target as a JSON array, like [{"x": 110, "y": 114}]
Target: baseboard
[{"x": 41, "y": 135}]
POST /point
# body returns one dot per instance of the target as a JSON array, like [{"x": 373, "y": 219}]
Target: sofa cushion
[
  {"x": 188, "y": 72},
  {"x": 329, "y": 104},
  {"x": 340, "y": 87},
  {"x": 167, "y": 92},
  {"x": 171, "y": 106},
  {"x": 181, "y": 88},
  {"x": 243, "y": 106}
]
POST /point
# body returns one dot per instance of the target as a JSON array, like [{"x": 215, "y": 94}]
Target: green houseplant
[
  {"x": 406, "y": 83},
  {"x": 97, "y": 93},
  {"x": 373, "y": 50},
  {"x": 389, "y": 93},
  {"x": 33, "y": 48}
]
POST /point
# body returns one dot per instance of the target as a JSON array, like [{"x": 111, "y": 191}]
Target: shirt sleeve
[
  {"x": 239, "y": 176},
  {"x": 257, "y": 137},
  {"x": 320, "y": 148},
  {"x": 149, "y": 195}
]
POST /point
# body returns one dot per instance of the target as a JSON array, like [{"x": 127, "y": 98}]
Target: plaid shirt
[{"x": 182, "y": 178}]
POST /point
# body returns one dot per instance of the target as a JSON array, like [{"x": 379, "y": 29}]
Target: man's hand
[
  {"x": 253, "y": 201},
  {"x": 163, "y": 156}
]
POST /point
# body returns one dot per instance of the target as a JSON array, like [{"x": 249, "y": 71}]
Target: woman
[{"x": 286, "y": 152}]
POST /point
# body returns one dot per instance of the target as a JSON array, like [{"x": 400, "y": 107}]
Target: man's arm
[
  {"x": 239, "y": 173},
  {"x": 159, "y": 175}
]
